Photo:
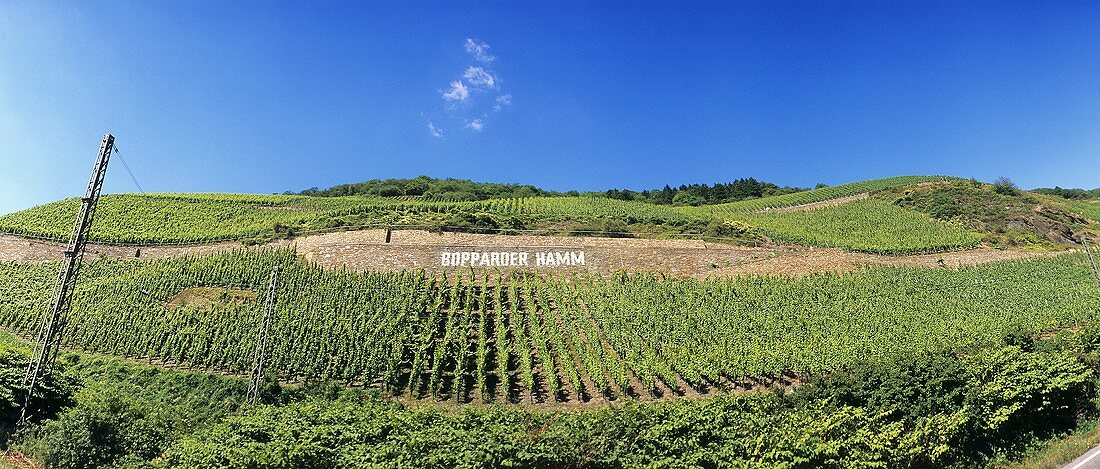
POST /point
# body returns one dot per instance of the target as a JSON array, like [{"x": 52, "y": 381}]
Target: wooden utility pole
[
  {"x": 48, "y": 340},
  {"x": 260, "y": 356}
]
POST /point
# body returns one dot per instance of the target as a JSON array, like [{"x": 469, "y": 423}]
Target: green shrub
[
  {"x": 919, "y": 411},
  {"x": 991, "y": 403},
  {"x": 910, "y": 386},
  {"x": 1013, "y": 395},
  {"x": 52, "y": 394},
  {"x": 1005, "y": 186},
  {"x": 605, "y": 227},
  {"x": 106, "y": 427},
  {"x": 729, "y": 229}
]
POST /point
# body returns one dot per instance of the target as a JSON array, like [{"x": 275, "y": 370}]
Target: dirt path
[
  {"x": 368, "y": 250},
  {"x": 806, "y": 261},
  {"x": 16, "y": 248}
]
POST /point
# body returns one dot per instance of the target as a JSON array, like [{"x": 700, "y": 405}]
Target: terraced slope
[
  {"x": 860, "y": 225},
  {"x": 812, "y": 196},
  {"x": 871, "y": 226},
  {"x": 194, "y": 218},
  {"x": 544, "y": 338},
  {"x": 175, "y": 218}
]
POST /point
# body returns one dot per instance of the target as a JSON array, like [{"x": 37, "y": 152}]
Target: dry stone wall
[
  {"x": 449, "y": 252},
  {"x": 15, "y": 248},
  {"x": 410, "y": 249}
]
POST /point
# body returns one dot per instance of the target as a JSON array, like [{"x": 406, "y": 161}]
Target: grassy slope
[
  {"x": 1089, "y": 208},
  {"x": 1020, "y": 219},
  {"x": 1059, "y": 451}
]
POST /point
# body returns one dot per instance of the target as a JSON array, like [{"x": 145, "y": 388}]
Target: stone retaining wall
[
  {"x": 678, "y": 261},
  {"x": 15, "y": 248}
]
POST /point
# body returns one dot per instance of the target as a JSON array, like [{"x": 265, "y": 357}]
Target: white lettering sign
[{"x": 511, "y": 259}]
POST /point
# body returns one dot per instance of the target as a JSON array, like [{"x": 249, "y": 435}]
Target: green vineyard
[
  {"x": 532, "y": 338},
  {"x": 817, "y": 195},
  {"x": 199, "y": 218},
  {"x": 871, "y": 226}
]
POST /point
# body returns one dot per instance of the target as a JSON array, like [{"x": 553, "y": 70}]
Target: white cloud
[
  {"x": 502, "y": 101},
  {"x": 477, "y": 76},
  {"x": 458, "y": 92},
  {"x": 479, "y": 50},
  {"x": 434, "y": 131}
]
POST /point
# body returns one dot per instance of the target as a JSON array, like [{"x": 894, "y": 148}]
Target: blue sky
[{"x": 274, "y": 96}]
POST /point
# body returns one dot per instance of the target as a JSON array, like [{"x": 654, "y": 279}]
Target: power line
[
  {"x": 131, "y": 173},
  {"x": 257, "y": 373}
]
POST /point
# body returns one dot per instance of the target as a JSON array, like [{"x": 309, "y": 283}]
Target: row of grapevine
[
  {"x": 871, "y": 226},
  {"x": 530, "y": 338},
  {"x": 199, "y": 218}
]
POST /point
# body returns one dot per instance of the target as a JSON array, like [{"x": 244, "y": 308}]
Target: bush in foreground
[{"x": 936, "y": 410}]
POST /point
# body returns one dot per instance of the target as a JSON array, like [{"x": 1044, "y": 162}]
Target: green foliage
[
  {"x": 688, "y": 198},
  {"x": 124, "y": 413},
  {"x": 920, "y": 410},
  {"x": 1005, "y": 186},
  {"x": 1071, "y": 194},
  {"x": 430, "y": 188},
  {"x": 178, "y": 218},
  {"x": 169, "y": 218},
  {"x": 481, "y": 222},
  {"x": 51, "y": 395},
  {"x": 1006, "y": 218},
  {"x": 604, "y": 227},
  {"x": 198, "y": 218},
  {"x": 370, "y": 327},
  {"x": 107, "y": 426},
  {"x": 871, "y": 226},
  {"x": 908, "y": 386},
  {"x": 1088, "y": 208},
  {"x": 719, "y": 432},
  {"x": 704, "y": 194},
  {"x": 1024, "y": 394},
  {"x": 199, "y": 398},
  {"x": 730, "y": 229},
  {"x": 873, "y": 416},
  {"x": 989, "y": 403},
  {"x": 1088, "y": 339}
]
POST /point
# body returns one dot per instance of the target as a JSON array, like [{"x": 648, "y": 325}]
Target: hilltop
[{"x": 467, "y": 190}]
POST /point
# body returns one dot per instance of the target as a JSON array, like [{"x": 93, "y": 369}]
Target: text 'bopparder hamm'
[{"x": 512, "y": 259}]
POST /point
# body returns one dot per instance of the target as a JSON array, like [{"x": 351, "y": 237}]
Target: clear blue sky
[{"x": 275, "y": 96}]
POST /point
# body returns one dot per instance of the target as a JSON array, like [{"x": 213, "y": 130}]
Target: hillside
[
  {"x": 550, "y": 337},
  {"x": 202, "y": 218},
  {"x": 878, "y": 316}
]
